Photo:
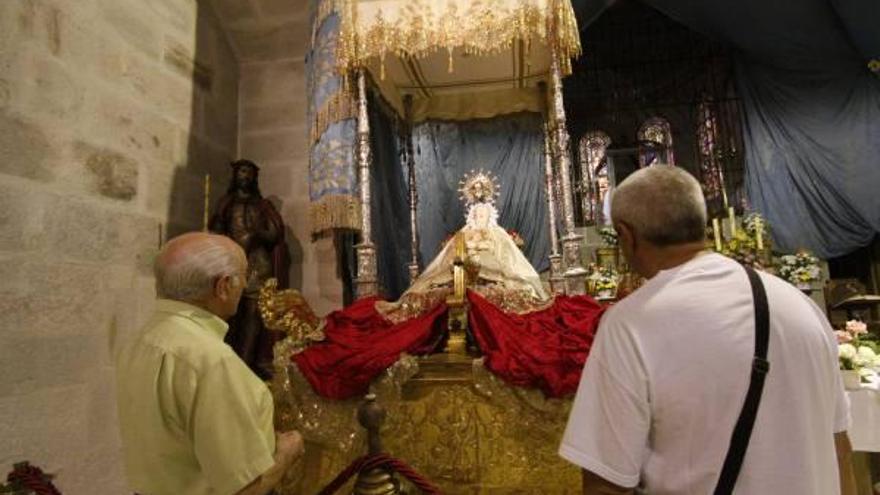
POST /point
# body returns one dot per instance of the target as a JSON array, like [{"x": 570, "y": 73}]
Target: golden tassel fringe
[
  {"x": 335, "y": 212},
  {"x": 477, "y": 28},
  {"x": 338, "y": 107}
]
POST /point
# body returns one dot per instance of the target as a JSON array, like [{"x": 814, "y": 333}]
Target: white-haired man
[
  {"x": 194, "y": 418},
  {"x": 667, "y": 375}
]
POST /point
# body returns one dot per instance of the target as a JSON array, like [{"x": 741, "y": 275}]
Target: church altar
[
  {"x": 485, "y": 420},
  {"x": 485, "y": 425}
]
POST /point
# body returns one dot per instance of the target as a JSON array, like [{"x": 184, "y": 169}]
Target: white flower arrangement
[
  {"x": 750, "y": 225},
  {"x": 847, "y": 354},
  {"x": 800, "y": 268},
  {"x": 866, "y": 357},
  {"x": 609, "y": 236}
]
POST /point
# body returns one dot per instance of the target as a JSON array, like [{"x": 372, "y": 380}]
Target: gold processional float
[{"x": 447, "y": 416}]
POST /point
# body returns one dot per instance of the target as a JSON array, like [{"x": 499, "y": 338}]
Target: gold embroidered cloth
[{"x": 450, "y": 49}]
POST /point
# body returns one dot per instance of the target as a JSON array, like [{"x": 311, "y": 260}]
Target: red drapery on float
[{"x": 544, "y": 349}]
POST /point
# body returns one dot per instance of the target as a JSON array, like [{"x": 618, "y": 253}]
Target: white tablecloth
[{"x": 865, "y": 408}]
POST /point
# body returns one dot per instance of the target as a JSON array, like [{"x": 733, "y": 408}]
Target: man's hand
[{"x": 289, "y": 447}]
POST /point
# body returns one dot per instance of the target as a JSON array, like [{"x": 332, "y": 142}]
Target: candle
[
  {"x": 732, "y": 214},
  {"x": 716, "y": 229},
  {"x": 207, "y": 201},
  {"x": 759, "y": 233}
]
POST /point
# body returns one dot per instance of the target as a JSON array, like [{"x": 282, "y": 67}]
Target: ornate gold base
[{"x": 461, "y": 427}]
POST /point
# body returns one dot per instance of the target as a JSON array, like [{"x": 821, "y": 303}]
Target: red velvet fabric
[
  {"x": 361, "y": 343},
  {"x": 544, "y": 349}
]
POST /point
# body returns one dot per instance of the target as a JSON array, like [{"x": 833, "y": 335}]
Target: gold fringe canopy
[
  {"x": 335, "y": 212},
  {"x": 418, "y": 28},
  {"x": 338, "y": 107}
]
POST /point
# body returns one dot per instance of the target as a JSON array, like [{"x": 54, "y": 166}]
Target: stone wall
[{"x": 111, "y": 112}]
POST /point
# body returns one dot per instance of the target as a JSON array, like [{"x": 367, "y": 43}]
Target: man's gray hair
[
  {"x": 663, "y": 204},
  {"x": 190, "y": 275}
]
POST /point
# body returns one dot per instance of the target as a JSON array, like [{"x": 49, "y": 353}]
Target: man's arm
[
  {"x": 596, "y": 485},
  {"x": 289, "y": 447},
  {"x": 609, "y": 425},
  {"x": 844, "y": 464}
]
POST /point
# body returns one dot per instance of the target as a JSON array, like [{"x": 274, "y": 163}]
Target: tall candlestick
[
  {"x": 732, "y": 214},
  {"x": 716, "y": 230},
  {"x": 207, "y": 201},
  {"x": 759, "y": 233}
]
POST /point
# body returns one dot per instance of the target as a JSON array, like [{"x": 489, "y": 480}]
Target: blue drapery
[
  {"x": 390, "y": 205},
  {"x": 811, "y": 111},
  {"x": 332, "y": 133},
  {"x": 511, "y": 147}
]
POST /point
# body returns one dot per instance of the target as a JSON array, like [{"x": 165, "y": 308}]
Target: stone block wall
[{"x": 111, "y": 112}]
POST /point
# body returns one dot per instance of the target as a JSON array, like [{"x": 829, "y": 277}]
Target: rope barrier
[
  {"x": 32, "y": 478},
  {"x": 367, "y": 462}
]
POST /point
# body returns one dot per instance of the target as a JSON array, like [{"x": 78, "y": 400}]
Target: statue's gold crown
[{"x": 478, "y": 186}]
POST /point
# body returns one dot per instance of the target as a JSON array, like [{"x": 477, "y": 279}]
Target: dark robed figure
[{"x": 251, "y": 221}]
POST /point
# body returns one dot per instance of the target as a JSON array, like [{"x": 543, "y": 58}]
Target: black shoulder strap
[{"x": 739, "y": 441}]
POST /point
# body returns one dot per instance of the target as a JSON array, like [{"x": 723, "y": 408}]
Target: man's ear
[
  {"x": 223, "y": 287},
  {"x": 625, "y": 233}
]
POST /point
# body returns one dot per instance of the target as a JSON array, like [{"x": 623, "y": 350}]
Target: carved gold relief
[{"x": 463, "y": 428}]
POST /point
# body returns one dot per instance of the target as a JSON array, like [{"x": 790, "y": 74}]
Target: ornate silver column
[
  {"x": 575, "y": 274},
  {"x": 413, "y": 191},
  {"x": 366, "y": 282},
  {"x": 557, "y": 281}
]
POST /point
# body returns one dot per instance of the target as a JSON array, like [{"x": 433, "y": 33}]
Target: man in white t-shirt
[{"x": 667, "y": 375}]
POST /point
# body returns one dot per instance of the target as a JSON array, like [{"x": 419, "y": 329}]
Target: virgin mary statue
[
  {"x": 527, "y": 337},
  {"x": 505, "y": 275}
]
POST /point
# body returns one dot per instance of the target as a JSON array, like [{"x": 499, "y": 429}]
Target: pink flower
[
  {"x": 843, "y": 336},
  {"x": 856, "y": 327}
]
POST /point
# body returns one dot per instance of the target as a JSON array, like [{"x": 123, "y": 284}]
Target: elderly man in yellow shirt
[{"x": 194, "y": 418}]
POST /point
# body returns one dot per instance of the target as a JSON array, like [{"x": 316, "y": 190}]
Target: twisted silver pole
[
  {"x": 575, "y": 274},
  {"x": 366, "y": 282}
]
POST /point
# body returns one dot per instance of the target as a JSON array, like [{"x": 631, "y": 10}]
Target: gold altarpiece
[{"x": 448, "y": 416}]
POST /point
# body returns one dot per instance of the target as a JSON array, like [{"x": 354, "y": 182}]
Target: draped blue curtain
[
  {"x": 810, "y": 106},
  {"x": 510, "y": 147},
  {"x": 390, "y": 203}
]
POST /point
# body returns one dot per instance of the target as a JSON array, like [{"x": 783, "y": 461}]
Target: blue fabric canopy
[{"x": 810, "y": 106}]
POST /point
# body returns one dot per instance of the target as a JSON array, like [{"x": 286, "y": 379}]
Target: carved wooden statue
[{"x": 251, "y": 221}]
